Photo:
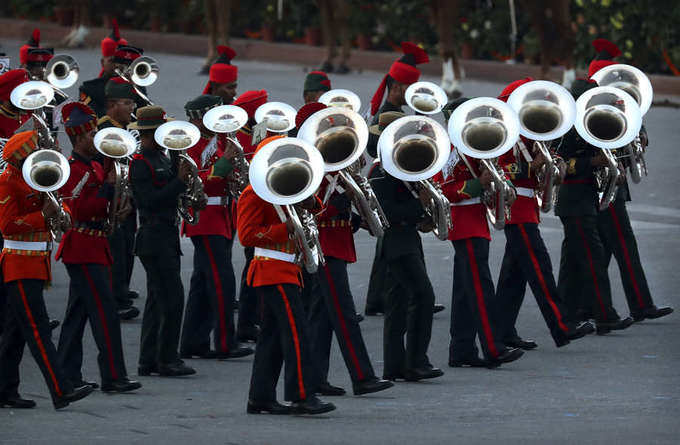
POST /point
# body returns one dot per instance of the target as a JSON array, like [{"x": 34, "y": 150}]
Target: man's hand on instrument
[
  {"x": 50, "y": 208},
  {"x": 231, "y": 150},
  {"x": 485, "y": 179},
  {"x": 184, "y": 172},
  {"x": 538, "y": 161},
  {"x": 599, "y": 160}
]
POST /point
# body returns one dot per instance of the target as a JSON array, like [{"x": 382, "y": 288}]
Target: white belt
[
  {"x": 275, "y": 254},
  {"x": 467, "y": 202},
  {"x": 25, "y": 245},
  {"x": 215, "y": 201},
  {"x": 526, "y": 192}
]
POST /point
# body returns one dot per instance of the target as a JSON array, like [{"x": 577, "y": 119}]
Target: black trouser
[
  {"x": 527, "y": 260},
  {"x": 283, "y": 338},
  {"x": 408, "y": 312},
  {"x": 122, "y": 250},
  {"x": 311, "y": 288},
  {"x": 583, "y": 283},
  {"x": 26, "y": 322},
  {"x": 210, "y": 306},
  {"x": 473, "y": 307},
  {"x": 163, "y": 310},
  {"x": 3, "y": 293},
  {"x": 377, "y": 284},
  {"x": 333, "y": 310},
  {"x": 247, "y": 298},
  {"x": 90, "y": 299},
  {"x": 618, "y": 239}
]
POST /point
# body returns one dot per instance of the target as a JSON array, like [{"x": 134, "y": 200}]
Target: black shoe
[
  {"x": 121, "y": 385},
  {"x": 581, "y": 330},
  {"x": 73, "y": 396},
  {"x": 438, "y": 308},
  {"x": 326, "y": 67},
  {"x": 147, "y": 370},
  {"x": 132, "y": 294},
  {"x": 273, "y": 407},
  {"x": 416, "y": 374},
  {"x": 178, "y": 369},
  {"x": 312, "y": 405},
  {"x": 373, "y": 312},
  {"x": 651, "y": 313},
  {"x": 604, "y": 327},
  {"x": 360, "y": 317},
  {"x": 80, "y": 383},
  {"x": 240, "y": 351},
  {"x": 54, "y": 324},
  {"x": 128, "y": 314},
  {"x": 247, "y": 334},
  {"x": 507, "y": 355},
  {"x": 393, "y": 377},
  {"x": 16, "y": 402},
  {"x": 209, "y": 354},
  {"x": 472, "y": 362},
  {"x": 326, "y": 389},
  {"x": 371, "y": 385},
  {"x": 342, "y": 69},
  {"x": 527, "y": 345}
]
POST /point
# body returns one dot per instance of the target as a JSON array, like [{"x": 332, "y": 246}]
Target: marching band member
[
  {"x": 108, "y": 49},
  {"x": 316, "y": 83},
  {"x": 25, "y": 263},
  {"x": 284, "y": 329},
  {"x": 33, "y": 58},
  {"x": 210, "y": 307},
  {"x": 526, "y": 258},
  {"x": 84, "y": 249},
  {"x": 156, "y": 185},
  {"x": 223, "y": 76}
]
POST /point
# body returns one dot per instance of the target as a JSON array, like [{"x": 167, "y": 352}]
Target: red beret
[
  {"x": 110, "y": 42},
  {"x": 306, "y": 111},
  {"x": 597, "y": 65},
  {"x": 403, "y": 70},
  {"x": 222, "y": 71},
  {"x": 251, "y": 101},
  {"x": 507, "y": 91},
  {"x": 10, "y": 80},
  {"x": 34, "y": 42},
  {"x": 604, "y": 45}
]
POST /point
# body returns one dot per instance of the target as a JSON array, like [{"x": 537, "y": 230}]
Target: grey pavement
[{"x": 619, "y": 388}]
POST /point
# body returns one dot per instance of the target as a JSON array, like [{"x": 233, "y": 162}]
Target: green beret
[
  {"x": 198, "y": 106},
  {"x": 317, "y": 81},
  {"x": 119, "y": 88}
]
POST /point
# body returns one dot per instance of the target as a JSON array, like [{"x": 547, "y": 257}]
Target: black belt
[
  {"x": 90, "y": 225},
  {"x": 152, "y": 220}
]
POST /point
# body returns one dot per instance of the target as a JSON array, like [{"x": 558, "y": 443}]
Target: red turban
[
  {"x": 597, "y": 65},
  {"x": 34, "y": 42},
  {"x": 306, "y": 111},
  {"x": 222, "y": 71},
  {"x": 251, "y": 101},
  {"x": 606, "y": 49},
  {"x": 402, "y": 70},
  {"x": 10, "y": 80},
  {"x": 110, "y": 42},
  {"x": 78, "y": 118},
  {"x": 507, "y": 91}
]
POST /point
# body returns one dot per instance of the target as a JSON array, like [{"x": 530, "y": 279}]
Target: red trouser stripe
[
  {"x": 480, "y": 299},
  {"x": 589, "y": 256},
  {"x": 541, "y": 279},
  {"x": 343, "y": 325},
  {"x": 102, "y": 317},
  {"x": 626, "y": 256},
  {"x": 296, "y": 341},
  {"x": 38, "y": 340},
  {"x": 220, "y": 295}
]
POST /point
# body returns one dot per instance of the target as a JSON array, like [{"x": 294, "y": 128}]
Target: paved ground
[{"x": 619, "y": 388}]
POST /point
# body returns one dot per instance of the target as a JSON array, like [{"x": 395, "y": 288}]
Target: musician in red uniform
[
  {"x": 276, "y": 279},
  {"x": 85, "y": 251},
  {"x": 11, "y": 117},
  {"x": 472, "y": 307},
  {"x": 25, "y": 263},
  {"x": 210, "y": 306},
  {"x": 526, "y": 258},
  {"x": 223, "y": 76}
]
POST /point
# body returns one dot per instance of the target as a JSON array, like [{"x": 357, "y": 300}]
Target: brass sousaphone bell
[
  {"x": 425, "y": 97},
  {"x": 32, "y": 95},
  {"x": 341, "y": 98},
  {"x": 279, "y": 117},
  {"x": 62, "y": 71}
]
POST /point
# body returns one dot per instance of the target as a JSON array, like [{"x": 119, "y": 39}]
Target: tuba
[
  {"x": 62, "y": 72},
  {"x": 341, "y": 98},
  {"x": 228, "y": 119},
  {"x": 341, "y": 135},
  {"x": 607, "y": 118},
  {"x": 142, "y": 72},
  {"x": 425, "y": 97},
  {"x": 546, "y": 112},
  {"x": 180, "y": 136},
  {"x": 278, "y": 117},
  {"x": 117, "y": 144},
  {"x": 414, "y": 149},
  {"x": 46, "y": 171},
  {"x": 485, "y": 128},
  {"x": 637, "y": 84},
  {"x": 284, "y": 173}
]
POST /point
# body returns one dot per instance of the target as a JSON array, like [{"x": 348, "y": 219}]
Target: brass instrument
[
  {"x": 414, "y": 149},
  {"x": 32, "y": 95},
  {"x": 607, "y": 118},
  {"x": 117, "y": 144},
  {"x": 278, "y": 117},
  {"x": 425, "y": 97},
  {"x": 485, "y": 128},
  {"x": 228, "y": 119},
  {"x": 180, "y": 136},
  {"x": 143, "y": 71},
  {"x": 284, "y": 173},
  {"x": 341, "y": 98},
  {"x": 341, "y": 135},
  {"x": 546, "y": 112}
]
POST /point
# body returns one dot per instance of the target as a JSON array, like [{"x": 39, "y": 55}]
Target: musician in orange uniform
[
  {"x": 284, "y": 337},
  {"x": 85, "y": 251},
  {"x": 210, "y": 306},
  {"x": 25, "y": 263}
]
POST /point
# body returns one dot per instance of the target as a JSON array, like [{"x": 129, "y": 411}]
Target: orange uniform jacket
[
  {"x": 335, "y": 231},
  {"x": 517, "y": 169},
  {"x": 87, "y": 240}
]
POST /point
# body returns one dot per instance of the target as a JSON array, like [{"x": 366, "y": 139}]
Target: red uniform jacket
[
  {"x": 245, "y": 138},
  {"x": 10, "y": 121},
  {"x": 21, "y": 219},
  {"x": 335, "y": 226},
  {"x": 518, "y": 170},
  {"x": 87, "y": 240},
  {"x": 215, "y": 219},
  {"x": 469, "y": 221},
  {"x": 260, "y": 226}
]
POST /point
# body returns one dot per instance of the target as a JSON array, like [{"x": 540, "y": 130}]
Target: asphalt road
[{"x": 619, "y": 388}]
